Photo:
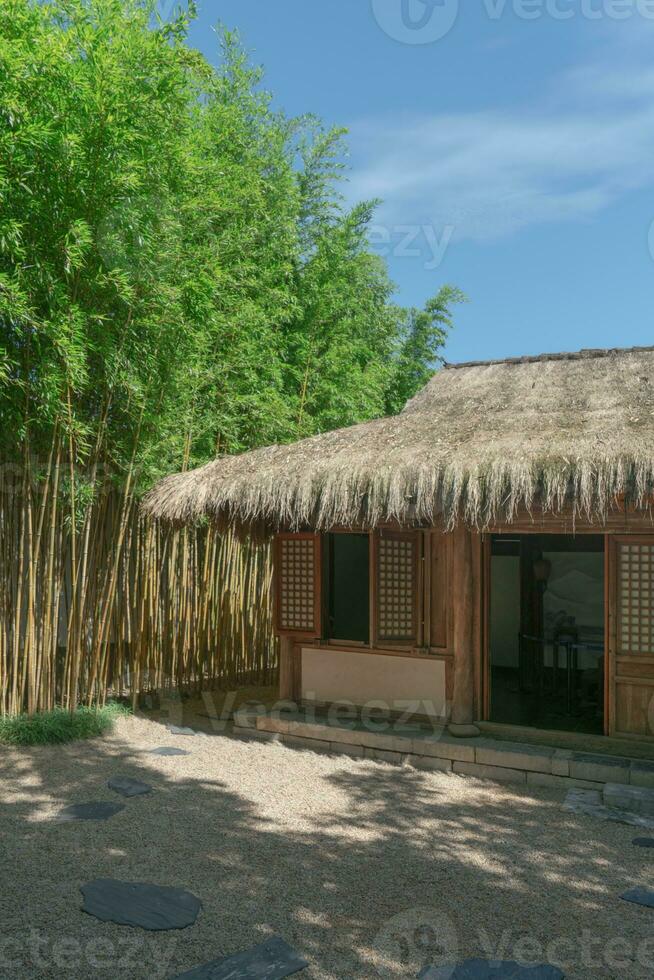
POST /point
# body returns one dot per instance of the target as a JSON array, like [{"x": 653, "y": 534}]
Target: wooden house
[{"x": 487, "y": 553}]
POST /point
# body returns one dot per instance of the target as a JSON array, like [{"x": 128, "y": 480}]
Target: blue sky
[{"x": 512, "y": 143}]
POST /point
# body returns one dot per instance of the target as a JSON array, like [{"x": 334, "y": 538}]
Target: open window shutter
[
  {"x": 631, "y": 638},
  {"x": 636, "y": 599},
  {"x": 297, "y": 568},
  {"x": 396, "y": 599}
]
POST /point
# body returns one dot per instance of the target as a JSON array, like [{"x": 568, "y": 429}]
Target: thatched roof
[{"x": 480, "y": 440}]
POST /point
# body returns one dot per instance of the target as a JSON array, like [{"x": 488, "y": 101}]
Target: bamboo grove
[
  {"x": 128, "y": 607},
  {"x": 179, "y": 278}
]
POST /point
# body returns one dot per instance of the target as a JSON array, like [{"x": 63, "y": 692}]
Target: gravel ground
[{"x": 367, "y": 869}]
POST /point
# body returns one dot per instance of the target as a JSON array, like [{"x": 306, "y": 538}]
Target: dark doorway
[
  {"x": 348, "y": 587},
  {"x": 547, "y": 631}
]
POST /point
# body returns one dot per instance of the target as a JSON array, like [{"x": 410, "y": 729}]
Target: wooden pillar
[
  {"x": 463, "y": 613},
  {"x": 286, "y": 669}
]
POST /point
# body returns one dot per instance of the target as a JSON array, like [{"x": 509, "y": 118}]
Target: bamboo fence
[{"x": 113, "y": 604}]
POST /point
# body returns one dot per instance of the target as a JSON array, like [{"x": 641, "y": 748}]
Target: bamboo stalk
[{"x": 126, "y": 606}]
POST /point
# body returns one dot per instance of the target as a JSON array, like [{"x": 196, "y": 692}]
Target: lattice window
[
  {"x": 396, "y": 587},
  {"x": 297, "y": 583},
  {"x": 636, "y": 598}
]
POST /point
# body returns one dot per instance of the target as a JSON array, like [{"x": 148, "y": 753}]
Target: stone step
[
  {"x": 636, "y": 799},
  {"x": 483, "y": 757}
]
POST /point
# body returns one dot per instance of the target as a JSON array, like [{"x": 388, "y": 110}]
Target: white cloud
[{"x": 589, "y": 142}]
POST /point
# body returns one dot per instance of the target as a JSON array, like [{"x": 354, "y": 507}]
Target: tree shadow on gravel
[{"x": 410, "y": 867}]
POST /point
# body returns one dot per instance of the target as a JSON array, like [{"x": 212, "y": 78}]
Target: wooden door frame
[
  {"x": 610, "y": 541},
  {"x": 484, "y": 693},
  {"x": 609, "y": 626}
]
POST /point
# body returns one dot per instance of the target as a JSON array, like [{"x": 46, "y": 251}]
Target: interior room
[
  {"x": 547, "y": 651},
  {"x": 346, "y": 573}
]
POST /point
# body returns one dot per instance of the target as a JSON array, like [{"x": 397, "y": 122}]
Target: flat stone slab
[
  {"x": 589, "y": 803},
  {"x": 600, "y": 768},
  {"x": 642, "y": 765},
  {"x": 642, "y": 773},
  {"x": 168, "y": 750},
  {"x": 490, "y": 970},
  {"x": 88, "y": 811},
  {"x": 136, "y": 903},
  {"x": 179, "y": 730},
  {"x": 637, "y": 799},
  {"x": 639, "y": 896},
  {"x": 643, "y": 842},
  {"x": 127, "y": 786},
  {"x": 271, "y": 960},
  {"x": 593, "y": 758}
]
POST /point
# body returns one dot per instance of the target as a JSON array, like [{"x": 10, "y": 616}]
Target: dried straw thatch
[{"x": 479, "y": 441}]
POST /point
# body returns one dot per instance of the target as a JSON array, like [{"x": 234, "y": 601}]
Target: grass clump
[{"x": 60, "y": 725}]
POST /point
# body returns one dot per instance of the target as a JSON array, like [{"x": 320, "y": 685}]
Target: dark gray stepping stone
[
  {"x": 88, "y": 811},
  {"x": 640, "y": 896},
  {"x": 136, "y": 903},
  {"x": 127, "y": 786},
  {"x": 490, "y": 970},
  {"x": 271, "y": 960},
  {"x": 168, "y": 750},
  {"x": 177, "y": 730},
  {"x": 643, "y": 842}
]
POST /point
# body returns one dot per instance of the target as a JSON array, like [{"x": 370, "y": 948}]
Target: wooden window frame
[
  {"x": 316, "y": 631},
  {"x": 398, "y": 643},
  {"x": 630, "y": 651},
  {"x": 623, "y": 669},
  {"x": 418, "y": 644}
]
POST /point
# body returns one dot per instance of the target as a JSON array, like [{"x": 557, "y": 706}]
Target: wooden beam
[
  {"x": 286, "y": 668},
  {"x": 463, "y": 614}
]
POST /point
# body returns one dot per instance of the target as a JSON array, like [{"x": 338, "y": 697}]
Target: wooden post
[
  {"x": 286, "y": 672},
  {"x": 463, "y": 599}
]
